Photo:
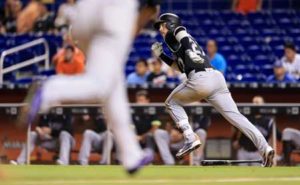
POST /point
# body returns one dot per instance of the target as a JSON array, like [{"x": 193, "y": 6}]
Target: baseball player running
[
  {"x": 104, "y": 30},
  {"x": 203, "y": 82}
]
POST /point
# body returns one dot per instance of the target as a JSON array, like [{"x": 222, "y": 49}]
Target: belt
[{"x": 205, "y": 70}]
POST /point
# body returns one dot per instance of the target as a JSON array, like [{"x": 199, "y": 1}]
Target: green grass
[{"x": 184, "y": 175}]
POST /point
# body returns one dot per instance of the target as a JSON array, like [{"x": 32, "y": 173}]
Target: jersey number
[{"x": 196, "y": 48}]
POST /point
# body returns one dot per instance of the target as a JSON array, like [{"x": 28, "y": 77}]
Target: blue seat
[
  {"x": 34, "y": 69},
  {"x": 293, "y": 32},
  {"x": 267, "y": 70},
  {"x": 220, "y": 5},
  {"x": 180, "y": 6},
  {"x": 249, "y": 77},
  {"x": 48, "y": 72},
  {"x": 9, "y": 77},
  {"x": 278, "y": 50},
  {"x": 24, "y": 81},
  {"x": 230, "y": 77},
  {"x": 260, "y": 60}
]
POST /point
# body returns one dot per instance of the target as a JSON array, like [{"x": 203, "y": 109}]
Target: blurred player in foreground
[
  {"x": 104, "y": 30},
  {"x": 203, "y": 83}
]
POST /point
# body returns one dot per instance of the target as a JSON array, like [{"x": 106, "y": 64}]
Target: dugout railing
[{"x": 270, "y": 109}]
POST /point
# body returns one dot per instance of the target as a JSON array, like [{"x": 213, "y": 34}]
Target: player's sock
[{"x": 187, "y": 130}]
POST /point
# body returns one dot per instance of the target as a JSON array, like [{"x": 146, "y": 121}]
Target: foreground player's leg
[
  {"x": 180, "y": 96},
  {"x": 223, "y": 102},
  {"x": 117, "y": 110}
]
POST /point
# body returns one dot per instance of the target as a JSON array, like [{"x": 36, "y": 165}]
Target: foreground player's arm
[
  {"x": 157, "y": 51},
  {"x": 188, "y": 44}
]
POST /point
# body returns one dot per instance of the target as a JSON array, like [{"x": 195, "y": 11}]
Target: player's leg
[
  {"x": 222, "y": 101},
  {"x": 118, "y": 116},
  {"x": 119, "y": 25},
  {"x": 90, "y": 138},
  {"x": 180, "y": 96},
  {"x": 22, "y": 157},
  {"x": 290, "y": 140},
  {"x": 66, "y": 143},
  {"x": 162, "y": 140}
]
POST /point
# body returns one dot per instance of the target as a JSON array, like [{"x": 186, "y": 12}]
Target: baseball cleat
[
  {"x": 13, "y": 162},
  {"x": 32, "y": 105},
  {"x": 60, "y": 162},
  {"x": 189, "y": 147},
  {"x": 268, "y": 157},
  {"x": 146, "y": 159}
]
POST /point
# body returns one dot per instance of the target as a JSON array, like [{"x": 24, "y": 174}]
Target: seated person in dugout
[
  {"x": 53, "y": 133},
  {"x": 98, "y": 139}
]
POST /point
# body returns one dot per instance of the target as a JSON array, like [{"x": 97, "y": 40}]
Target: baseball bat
[{"x": 228, "y": 162}]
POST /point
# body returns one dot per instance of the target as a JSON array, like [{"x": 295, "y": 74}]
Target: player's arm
[
  {"x": 189, "y": 46},
  {"x": 168, "y": 60},
  {"x": 157, "y": 51},
  {"x": 182, "y": 37}
]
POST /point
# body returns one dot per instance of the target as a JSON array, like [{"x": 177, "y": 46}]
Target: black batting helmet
[{"x": 171, "y": 19}]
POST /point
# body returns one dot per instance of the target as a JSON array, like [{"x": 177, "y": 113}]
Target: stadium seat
[{"x": 255, "y": 39}]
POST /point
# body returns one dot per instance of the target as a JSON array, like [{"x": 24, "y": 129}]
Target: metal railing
[{"x": 35, "y": 59}]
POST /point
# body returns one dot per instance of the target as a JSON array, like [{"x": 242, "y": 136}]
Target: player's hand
[{"x": 157, "y": 49}]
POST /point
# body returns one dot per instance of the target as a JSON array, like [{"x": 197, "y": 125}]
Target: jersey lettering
[{"x": 195, "y": 47}]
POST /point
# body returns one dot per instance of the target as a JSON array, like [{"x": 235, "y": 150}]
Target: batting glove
[{"x": 157, "y": 49}]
